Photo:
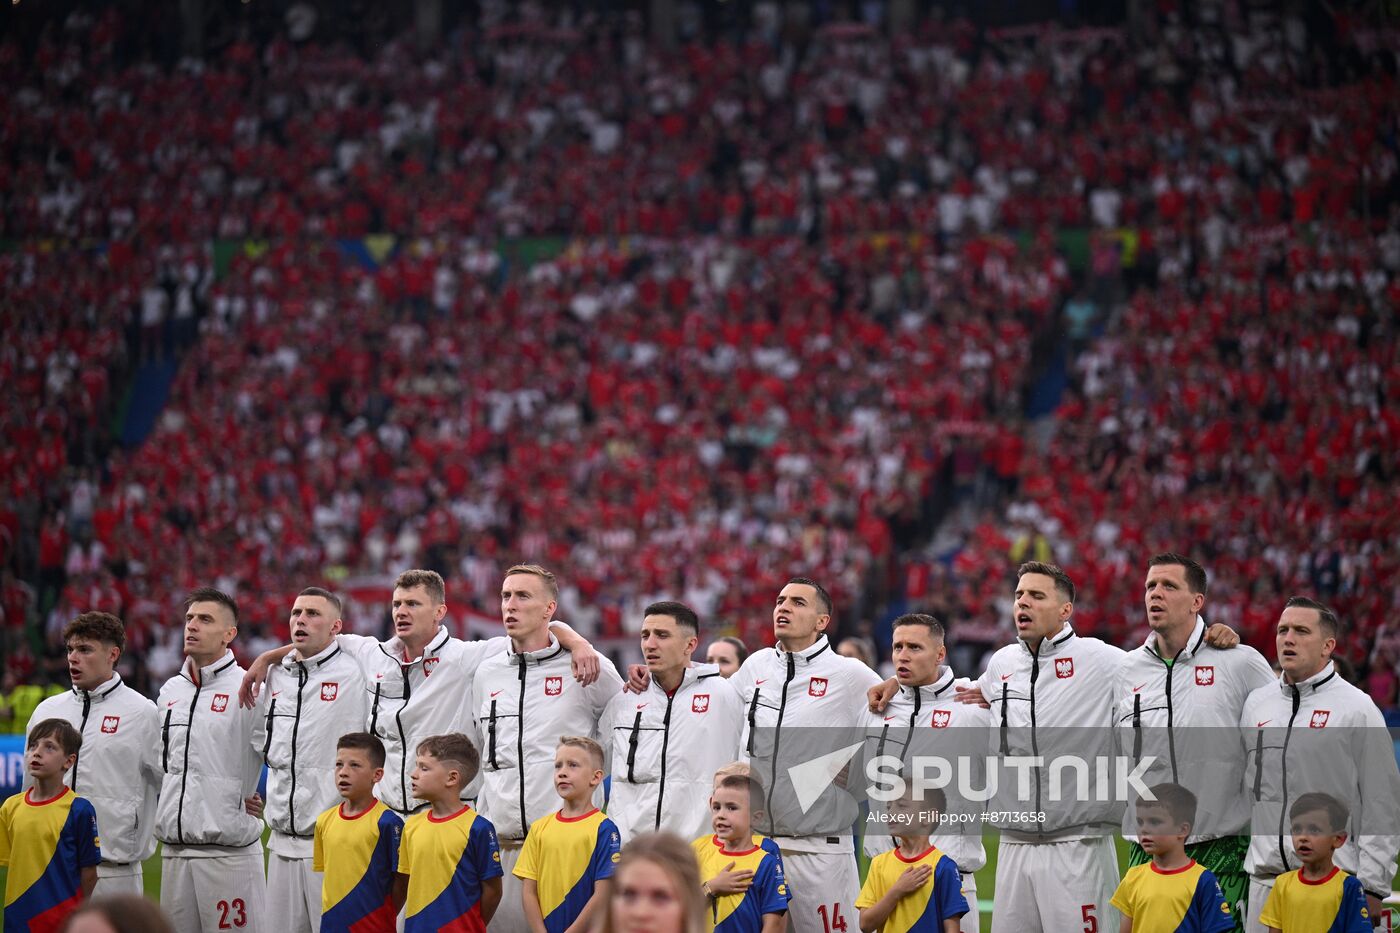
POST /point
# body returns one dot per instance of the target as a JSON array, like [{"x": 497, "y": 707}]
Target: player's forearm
[
  {"x": 569, "y": 640},
  {"x": 774, "y": 923},
  {"x": 1125, "y": 925},
  {"x": 873, "y": 918},
  {"x": 530, "y": 900},
  {"x": 87, "y": 877},
  {"x": 490, "y": 899},
  {"x": 399, "y": 892},
  {"x": 952, "y": 925}
]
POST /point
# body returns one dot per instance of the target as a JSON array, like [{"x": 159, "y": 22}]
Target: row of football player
[{"x": 514, "y": 696}]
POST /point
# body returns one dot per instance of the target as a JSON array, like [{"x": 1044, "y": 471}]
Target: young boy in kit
[
  {"x": 1171, "y": 893},
  {"x": 356, "y": 845},
  {"x": 48, "y": 836},
  {"x": 745, "y": 883},
  {"x": 566, "y": 864},
  {"x": 1317, "y": 896},
  {"x": 914, "y": 885},
  {"x": 449, "y": 853}
]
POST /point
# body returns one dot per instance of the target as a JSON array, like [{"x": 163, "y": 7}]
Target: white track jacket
[
  {"x": 209, "y": 762},
  {"x": 1185, "y": 713},
  {"x": 521, "y": 704},
  {"x": 813, "y": 688},
  {"x": 411, "y": 699},
  {"x": 118, "y": 766},
  {"x": 663, "y": 752},
  {"x": 304, "y": 708},
  {"x": 912, "y": 725},
  {"x": 1321, "y": 735},
  {"x": 1055, "y": 702}
]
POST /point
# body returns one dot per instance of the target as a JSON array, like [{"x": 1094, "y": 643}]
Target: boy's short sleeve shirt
[
  {"x": 359, "y": 856},
  {"x": 939, "y": 899},
  {"x": 1336, "y": 904},
  {"x": 446, "y": 860},
  {"x": 1187, "y": 900},
  {"x": 45, "y": 844},
  {"x": 767, "y": 893},
  {"x": 566, "y": 857}
]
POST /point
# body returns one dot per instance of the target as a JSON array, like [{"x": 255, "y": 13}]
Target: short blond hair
[
  {"x": 733, "y": 769},
  {"x": 594, "y": 750},
  {"x": 429, "y": 580},
  {"x": 535, "y": 570}
]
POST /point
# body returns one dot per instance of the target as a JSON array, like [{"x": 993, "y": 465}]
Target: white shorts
[
  {"x": 1259, "y": 889},
  {"x": 294, "y": 893},
  {"x": 119, "y": 879},
  {"x": 1056, "y": 887},
  {"x": 208, "y": 895},
  {"x": 510, "y": 915},
  {"x": 824, "y": 888}
]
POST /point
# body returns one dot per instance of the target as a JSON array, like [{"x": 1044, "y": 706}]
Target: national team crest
[
  {"x": 700, "y": 702},
  {"x": 553, "y": 686},
  {"x": 429, "y": 664},
  {"x": 1205, "y": 676},
  {"x": 1319, "y": 718},
  {"x": 220, "y": 702},
  {"x": 110, "y": 723},
  {"x": 941, "y": 718},
  {"x": 817, "y": 687},
  {"x": 328, "y": 691},
  {"x": 1064, "y": 668}
]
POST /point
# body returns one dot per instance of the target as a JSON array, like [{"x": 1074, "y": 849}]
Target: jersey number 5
[{"x": 1091, "y": 923}]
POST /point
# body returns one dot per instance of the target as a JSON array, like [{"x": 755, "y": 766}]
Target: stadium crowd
[{"x": 790, "y": 328}]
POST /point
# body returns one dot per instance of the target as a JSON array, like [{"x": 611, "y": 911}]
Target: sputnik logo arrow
[{"x": 811, "y": 778}]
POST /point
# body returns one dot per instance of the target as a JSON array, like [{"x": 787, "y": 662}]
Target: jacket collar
[
  {"x": 534, "y": 657},
  {"x": 805, "y": 656},
  {"x": 210, "y": 672},
  {"x": 692, "y": 674},
  {"x": 1052, "y": 645},
  {"x": 394, "y": 647},
  {"x": 101, "y": 693},
  {"x": 1310, "y": 686},
  {"x": 1193, "y": 643},
  {"x": 930, "y": 692},
  {"x": 314, "y": 662}
]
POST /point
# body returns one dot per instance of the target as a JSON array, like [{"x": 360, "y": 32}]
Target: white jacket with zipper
[
  {"x": 118, "y": 766},
  {"x": 814, "y": 690},
  {"x": 412, "y": 698},
  {"x": 911, "y": 726},
  {"x": 664, "y": 749},
  {"x": 1321, "y": 735},
  {"x": 519, "y": 706},
  {"x": 1057, "y": 701},
  {"x": 1184, "y": 711},
  {"x": 209, "y": 762},
  {"x": 304, "y": 708}
]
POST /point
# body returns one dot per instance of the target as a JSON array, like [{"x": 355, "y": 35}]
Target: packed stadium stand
[{"x": 679, "y": 321}]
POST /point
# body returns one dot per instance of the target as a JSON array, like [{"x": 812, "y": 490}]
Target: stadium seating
[{"x": 786, "y": 307}]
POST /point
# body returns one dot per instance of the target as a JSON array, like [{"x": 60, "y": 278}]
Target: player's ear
[
  {"x": 69, "y": 761},
  {"x": 378, "y": 775}
]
